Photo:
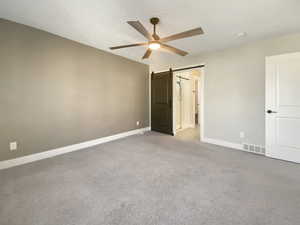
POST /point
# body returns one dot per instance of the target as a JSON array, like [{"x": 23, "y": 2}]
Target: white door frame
[{"x": 201, "y": 103}]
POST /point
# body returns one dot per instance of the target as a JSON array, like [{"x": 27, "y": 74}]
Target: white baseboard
[
  {"x": 223, "y": 143},
  {"x": 71, "y": 148}
]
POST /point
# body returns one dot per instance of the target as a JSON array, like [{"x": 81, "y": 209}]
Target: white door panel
[
  {"x": 288, "y": 84},
  {"x": 291, "y": 127},
  {"x": 283, "y": 99}
]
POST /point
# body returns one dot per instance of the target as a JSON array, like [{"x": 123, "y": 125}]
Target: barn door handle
[{"x": 270, "y": 111}]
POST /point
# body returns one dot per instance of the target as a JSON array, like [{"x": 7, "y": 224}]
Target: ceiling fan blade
[
  {"x": 156, "y": 37},
  {"x": 147, "y": 54},
  {"x": 189, "y": 33},
  {"x": 140, "y": 28},
  {"x": 174, "y": 50},
  {"x": 126, "y": 46}
]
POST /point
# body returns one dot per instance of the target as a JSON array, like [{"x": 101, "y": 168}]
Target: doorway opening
[{"x": 187, "y": 88}]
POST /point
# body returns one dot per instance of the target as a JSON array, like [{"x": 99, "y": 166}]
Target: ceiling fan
[{"x": 155, "y": 42}]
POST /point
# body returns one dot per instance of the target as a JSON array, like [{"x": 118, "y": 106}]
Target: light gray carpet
[{"x": 152, "y": 180}]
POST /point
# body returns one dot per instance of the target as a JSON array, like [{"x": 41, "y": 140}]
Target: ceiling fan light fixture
[
  {"x": 154, "y": 42},
  {"x": 154, "y": 46}
]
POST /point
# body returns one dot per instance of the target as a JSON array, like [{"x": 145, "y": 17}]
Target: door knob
[{"x": 270, "y": 111}]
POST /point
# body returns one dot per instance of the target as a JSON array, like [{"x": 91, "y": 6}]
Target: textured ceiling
[{"x": 102, "y": 23}]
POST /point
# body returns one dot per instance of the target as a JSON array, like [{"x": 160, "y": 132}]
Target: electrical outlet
[
  {"x": 242, "y": 134},
  {"x": 13, "y": 146},
  {"x": 137, "y": 123}
]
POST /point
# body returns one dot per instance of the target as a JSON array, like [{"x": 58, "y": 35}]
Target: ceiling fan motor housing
[{"x": 154, "y": 20}]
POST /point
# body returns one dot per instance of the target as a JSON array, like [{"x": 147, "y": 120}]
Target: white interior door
[{"x": 283, "y": 107}]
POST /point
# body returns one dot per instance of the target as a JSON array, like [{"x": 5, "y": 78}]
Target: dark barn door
[{"x": 161, "y": 102}]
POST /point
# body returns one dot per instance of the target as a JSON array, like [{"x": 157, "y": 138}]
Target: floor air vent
[{"x": 257, "y": 149}]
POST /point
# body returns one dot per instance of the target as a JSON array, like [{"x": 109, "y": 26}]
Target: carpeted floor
[{"x": 152, "y": 179}]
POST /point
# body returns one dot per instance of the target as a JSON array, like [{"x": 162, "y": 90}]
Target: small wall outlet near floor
[
  {"x": 137, "y": 123},
  {"x": 13, "y": 146},
  {"x": 242, "y": 134}
]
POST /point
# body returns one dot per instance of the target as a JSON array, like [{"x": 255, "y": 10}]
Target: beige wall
[
  {"x": 55, "y": 92},
  {"x": 234, "y": 91}
]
